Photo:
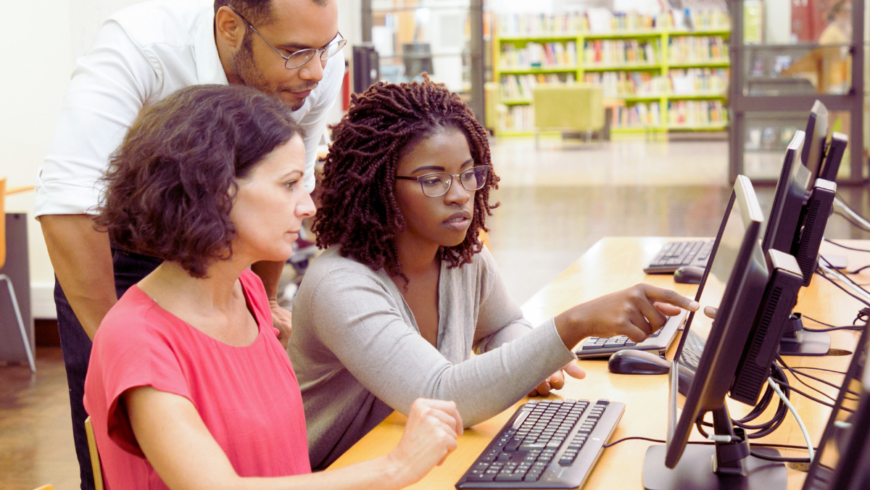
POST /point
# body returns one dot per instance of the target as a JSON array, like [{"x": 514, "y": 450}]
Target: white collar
[{"x": 208, "y": 62}]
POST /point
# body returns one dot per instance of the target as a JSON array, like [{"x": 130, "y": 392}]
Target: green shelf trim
[
  {"x": 710, "y": 32},
  {"x": 702, "y": 64},
  {"x": 620, "y": 35},
  {"x": 516, "y": 102},
  {"x": 635, "y": 129},
  {"x": 710, "y": 95},
  {"x": 709, "y": 127},
  {"x": 645, "y": 66},
  {"x": 628, "y": 98},
  {"x": 541, "y": 37},
  {"x": 525, "y": 71}
]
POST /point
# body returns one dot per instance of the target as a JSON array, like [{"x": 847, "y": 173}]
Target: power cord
[
  {"x": 846, "y": 247},
  {"x": 821, "y": 272},
  {"x": 794, "y": 413},
  {"x": 830, "y": 328},
  {"x": 796, "y": 373}
]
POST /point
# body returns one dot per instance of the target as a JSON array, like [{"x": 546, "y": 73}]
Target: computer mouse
[
  {"x": 630, "y": 361},
  {"x": 689, "y": 274}
]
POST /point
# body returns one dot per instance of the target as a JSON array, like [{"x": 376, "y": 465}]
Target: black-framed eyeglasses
[
  {"x": 299, "y": 58},
  {"x": 438, "y": 183}
]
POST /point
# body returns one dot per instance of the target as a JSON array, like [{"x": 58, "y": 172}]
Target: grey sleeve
[
  {"x": 500, "y": 320},
  {"x": 368, "y": 335}
]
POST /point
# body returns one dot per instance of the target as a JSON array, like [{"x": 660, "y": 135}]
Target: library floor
[{"x": 556, "y": 201}]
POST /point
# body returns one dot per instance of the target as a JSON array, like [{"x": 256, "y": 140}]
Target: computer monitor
[
  {"x": 783, "y": 222},
  {"x": 841, "y": 460},
  {"x": 736, "y": 282},
  {"x": 816, "y": 135},
  {"x": 796, "y": 225}
]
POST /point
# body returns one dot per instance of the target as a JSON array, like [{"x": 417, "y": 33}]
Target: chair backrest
[
  {"x": 575, "y": 107},
  {"x": 2, "y": 222},
  {"x": 95, "y": 455}
]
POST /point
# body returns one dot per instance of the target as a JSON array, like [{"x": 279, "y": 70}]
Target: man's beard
[{"x": 246, "y": 70}]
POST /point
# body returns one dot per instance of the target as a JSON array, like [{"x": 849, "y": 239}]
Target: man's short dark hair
[
  {"x": 259, "y": 12},
  {"x": 172, "y": 182}
]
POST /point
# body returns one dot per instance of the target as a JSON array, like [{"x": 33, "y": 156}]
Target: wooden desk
[{"x": 610, "y": 265}]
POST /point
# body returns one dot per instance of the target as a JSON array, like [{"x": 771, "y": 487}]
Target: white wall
[
  {"x": 777, "y": 21},
  {"x": 37, "y": 64},
  {"x": 36, "y": 74}
]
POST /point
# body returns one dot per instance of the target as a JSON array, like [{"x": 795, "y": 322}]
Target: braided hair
[{"x": 359, "y": 211}]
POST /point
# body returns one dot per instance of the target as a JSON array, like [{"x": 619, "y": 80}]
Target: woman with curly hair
[
  {"x": 405, "y": 291},
  {"x": 188, "y": 386}
]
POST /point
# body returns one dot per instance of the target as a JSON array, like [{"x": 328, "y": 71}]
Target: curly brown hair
[
  {"x": 171, "y": 184},
  {"x": 358, "y": 209}
]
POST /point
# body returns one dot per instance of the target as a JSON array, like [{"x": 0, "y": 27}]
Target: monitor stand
[
  {"x": 725, "y": 465},
  {"x": 798, "y": 342}
]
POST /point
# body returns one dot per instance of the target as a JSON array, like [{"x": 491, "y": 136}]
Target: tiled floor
[{"x": 555, "y": 203}]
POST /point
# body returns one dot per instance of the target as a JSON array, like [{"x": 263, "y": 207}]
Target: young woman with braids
[
  {"x": 404, "y": 291},
  {"x": 188, "y": 386}
]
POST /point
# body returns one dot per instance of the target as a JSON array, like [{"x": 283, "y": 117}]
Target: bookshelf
[{"x": 670, "y": 79}]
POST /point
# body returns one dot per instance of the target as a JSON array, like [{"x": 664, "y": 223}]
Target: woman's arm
[{"x": 178, "y": 445}]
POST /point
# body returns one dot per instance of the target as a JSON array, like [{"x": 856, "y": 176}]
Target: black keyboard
[
  {"x": 546, "y": 444},
  {"x": 693, "y": 347},
  {"x": 658, "y": 342},
  {"x": 690, "y": 357},
  {"x": 677, "y": 254}
]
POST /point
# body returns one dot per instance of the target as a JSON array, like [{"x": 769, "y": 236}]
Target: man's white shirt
[{"x": 142, "y": 55}]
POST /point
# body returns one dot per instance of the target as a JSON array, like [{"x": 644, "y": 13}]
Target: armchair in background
[{"x": 577, "y": 108}]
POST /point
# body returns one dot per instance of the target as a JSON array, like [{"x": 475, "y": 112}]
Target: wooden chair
[
  {"x": 4, "y": 277},
  {"x": 95, "y": 455}
]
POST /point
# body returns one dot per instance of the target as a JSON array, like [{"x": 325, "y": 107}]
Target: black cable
[
  {"x": 805, "y": 395},
  {"x": 846, "y": 247},
  {"x": 849, "y": 279},
  {"x": 830, "y": 328},
  {"x": 780, "y": 459},
  {"x": 822, "y": 273},
  {"x": 763, "y": 428},
  {"x": 858, "y": 270},
  {"x": 802, "y": 368},
  {"x": 851, "y": 221},
  {"x": 637, "y": 438},
  {"x": 801, "y": 381}
]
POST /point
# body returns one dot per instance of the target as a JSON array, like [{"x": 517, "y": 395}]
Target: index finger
[{"x": 670, "y": 297}]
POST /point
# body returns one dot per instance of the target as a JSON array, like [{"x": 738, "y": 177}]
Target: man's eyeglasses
[
  {"x": 437, "y": 184},
  {"x": 299, "y": 58}
]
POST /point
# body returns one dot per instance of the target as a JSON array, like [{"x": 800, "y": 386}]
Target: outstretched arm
[{"x": 179, "y": 446}]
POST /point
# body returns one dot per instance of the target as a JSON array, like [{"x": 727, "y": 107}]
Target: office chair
[
  {"x": 95, "y": 455},
  {"x": 4, "y": 277}
]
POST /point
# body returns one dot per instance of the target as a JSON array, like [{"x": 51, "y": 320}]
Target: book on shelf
[
  {"x": 517, "y": 118},
  {"x": 537, "y": 55},
  {"x": 604, "y": 21},
  {"x": 617, "y": 84},
  {"x": 521, "y": 87},
  {"x": 688, "y": 49},
  {"x": 690, "y": 113},
  {"x": 639, "y": 115},
  {"x": 606, "y": 52},
  {"x": 698, "y": 81}
]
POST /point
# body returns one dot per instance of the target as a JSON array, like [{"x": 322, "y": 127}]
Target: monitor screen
[
  {"x": 734, "y": 285},
  {"x": 846, "y": 431},
  {"x": 816, "y": 134},
  {"x": 782, "y": 226}
]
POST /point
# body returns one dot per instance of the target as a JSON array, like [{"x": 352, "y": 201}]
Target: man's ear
[{"x": 229, "y": 28}]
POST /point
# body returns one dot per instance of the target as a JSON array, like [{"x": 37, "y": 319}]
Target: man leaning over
[{"x": 143, "y": 54}]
